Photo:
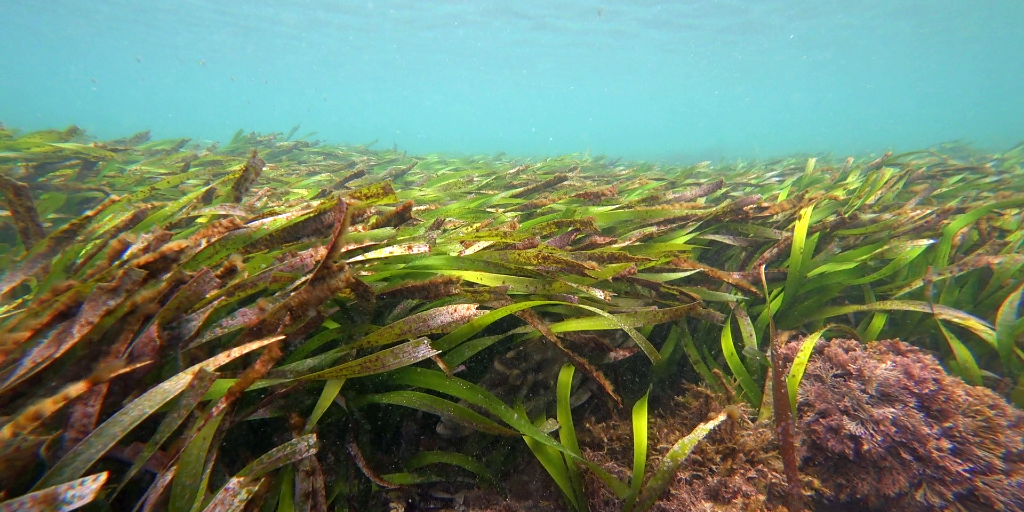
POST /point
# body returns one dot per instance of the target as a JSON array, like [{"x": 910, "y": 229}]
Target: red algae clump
[{"x": 883, "y": 427}]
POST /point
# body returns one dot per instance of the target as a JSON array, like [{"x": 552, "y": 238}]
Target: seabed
[{"x": 280, "y": 324}]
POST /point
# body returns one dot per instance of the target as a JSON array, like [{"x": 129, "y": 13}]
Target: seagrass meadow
[{"x": 279, "y": 324}]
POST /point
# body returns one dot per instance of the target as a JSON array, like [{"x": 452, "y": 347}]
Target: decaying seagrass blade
[
  {"x": 527, "y": 243},
  {"x": 535, "y": 204},
  {"x": 84, "y": 413},
  {"x": 39, "y": 411},
  {"x": 431, "y": 289},
  {"x": 83, "y": 416},
  {"x": 551, "y": 182},
  {"x": 357, "y": 457},
  {"x": 310, "y": 489},
  {"x": 315, "y": 223},
  {"x": 444, "y": 318},
  {"x": 234, "y": 496},
  {"x": 202, "y": 284},
  {"x": 218, "y": 228},
  {"x": 40, "y": 256},
  {"x": 698, "y": 192},
  {"x": 117, "y": 426},
  {"x": 116, "y": 240},
  {"x": 266, "y": 361},
  {"x": 241, "y": 318},
  {"x": 563, "y": 240},
  {"x": 382, "y": 192},
  {"x": 44, "y": 312},
  {"x": 244, "y": 485},
  {"x": 250, "y": 173},
  {"x": 327, "y": 280},
  {"x": 352, "y": 176},
  {"x": 104, "y": 299},
  {"x": 578, "y": 361},
  {"x": 142, "y": 306},
  {"x": 59, "y": 498},
  {"x": 715, "y": 273},
  {"x": 134, "y": 140},
  {"x": 784, "y": 426},
  {"x": 383, "y": 361},
  {"x": 395, "y": 173},
  {"x": 342, "y": 217},
  {"x": 773, "y": 252},
  {"x": 878, "y": 162},
  {"x": 585, "y": 224},
  {"x": 23, "y": 210},
  {"x": 596, "y": 195},
  {"x": 163, "y": 259},
  {"x": 394, "y": 218},
  {"x": 158, "y": 489}
]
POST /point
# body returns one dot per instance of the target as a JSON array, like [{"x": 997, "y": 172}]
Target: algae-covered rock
[
  {"x": 881, "y": 427},
  {"x": 884, "y": 427}
]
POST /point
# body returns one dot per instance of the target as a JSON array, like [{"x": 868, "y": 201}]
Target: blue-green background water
[{"x": 688, "y": 80}]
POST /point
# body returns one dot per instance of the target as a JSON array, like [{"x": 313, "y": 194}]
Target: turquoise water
[{"x": 641, "y": 79}]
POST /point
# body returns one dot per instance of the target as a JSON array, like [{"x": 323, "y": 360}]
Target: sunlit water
[{"x": 640, "y": 79}]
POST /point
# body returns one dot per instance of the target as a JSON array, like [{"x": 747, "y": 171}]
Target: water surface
[{"x": 642, "y": 79}]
